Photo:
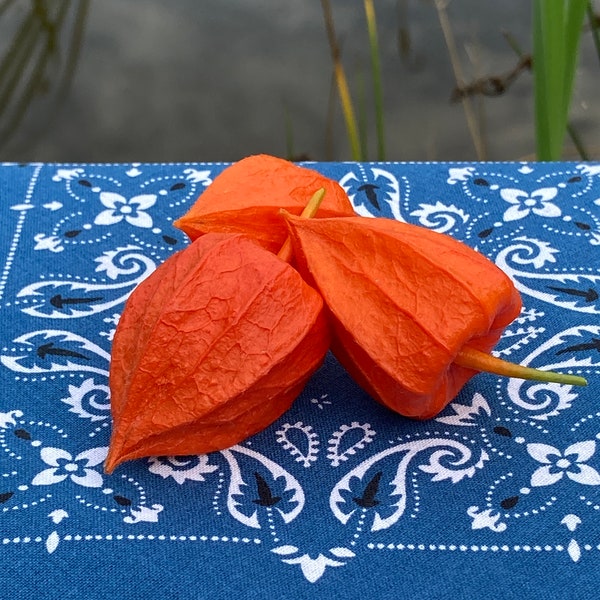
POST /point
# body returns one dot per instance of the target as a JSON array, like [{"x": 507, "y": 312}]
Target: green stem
[{"x": 480, "y": 361}]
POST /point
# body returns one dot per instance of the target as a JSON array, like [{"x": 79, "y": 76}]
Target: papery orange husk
[
  {"x": 247, "y": 198},
  {"x": 403, "y": 302},
  {"x": 211, "y": 348}
]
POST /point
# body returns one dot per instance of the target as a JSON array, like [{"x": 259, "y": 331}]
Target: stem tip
[{"x": 480, "y": 361}]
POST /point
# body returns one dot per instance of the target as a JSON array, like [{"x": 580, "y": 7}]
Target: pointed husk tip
[{"x": 113, "y": 458}]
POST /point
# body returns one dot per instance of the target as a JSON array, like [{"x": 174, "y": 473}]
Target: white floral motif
[
  {"x": 197, "y": 176},
  {"x": 448, "y": 460},
  {"x": 485, "y": 518},
  {"x": 466, "y": 415},
  {"x": 313, "y": 568},
  {"x": 47, "y": 242},
  {"x": 113, "y": 320},
  {"x": 459, "y": 174},
  {"x": 124, "y": 261},
  {"x": 439, "y": 216},
  {"x": 182, "y": 468},
  {"x": 571, "y": 463},
  {"x": 8, "y": 418},
  {"x": 78, "y": 469},
  {"x": 523, "y": 203},
  {"x": 119, "y": 208},
  {"x": 144, "y": 514},
  {"x": 89, "y": 395},
  {"x": 67, "y": 174},
  {"x": 58, "y": 515}
]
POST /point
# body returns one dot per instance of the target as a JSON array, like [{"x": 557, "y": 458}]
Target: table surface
[{"x": 498, "y": 497}]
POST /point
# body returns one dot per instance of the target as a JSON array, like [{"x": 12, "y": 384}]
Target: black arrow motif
[
  {"x": 370, "y": 193},
  {"x": 590, "y": 295},
  {"x": 593, "y": 345},
  {"x": 368, "y": 499},
  {"x": 49, "y": 348},
  {"x": 59, "y": 302},
  {"x": 265, "y": 496}
]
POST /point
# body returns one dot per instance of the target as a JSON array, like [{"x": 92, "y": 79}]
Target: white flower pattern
[
  {"x": 78, "y": 469},
  {"x": 537, "y": 202},
  {"x": 556, "y": 464},
  {"x": 119, "y": 208}
]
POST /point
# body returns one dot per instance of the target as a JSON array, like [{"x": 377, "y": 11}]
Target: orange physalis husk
[
  {"x": 211, "y": 348},
  {"x": 404, "y": 302},
  {"x": 247, "y": 196}
]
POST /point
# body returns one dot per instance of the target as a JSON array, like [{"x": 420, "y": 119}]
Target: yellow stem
[
  {"x": 310, "y": 210},
  {"x": 480, "y": 361}
]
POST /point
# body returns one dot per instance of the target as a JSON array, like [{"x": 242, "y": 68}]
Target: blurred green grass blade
[
  {"x": 40, "y": 54},
  {"x": 16, "y": 60},
  {"x": 548, "y": 69},
  {"x": 557, "y": 26},
  {"x": 576, "y": 11},
  {"x": 73, "y": 50},
  {"x": 376, "y": 73},
  {"x": 363, "y": 120},
  {"x": 342, "y": 85},
  {"x": 348, "y": 110}
]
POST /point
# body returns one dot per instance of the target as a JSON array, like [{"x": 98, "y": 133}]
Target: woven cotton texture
[{"x": 497, "y": 497}]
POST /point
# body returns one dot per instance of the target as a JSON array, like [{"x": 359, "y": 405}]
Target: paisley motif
[{"x": 310, "y": 442}]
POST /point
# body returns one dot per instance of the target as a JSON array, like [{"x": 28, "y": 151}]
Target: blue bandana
[{"x": 497, "y": 497}]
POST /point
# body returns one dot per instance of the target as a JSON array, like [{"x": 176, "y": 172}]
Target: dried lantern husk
[
  {"x": 211, "y": 348},
  {"x": 248, "y": 195},
  {"x": 403, "y": 302}
]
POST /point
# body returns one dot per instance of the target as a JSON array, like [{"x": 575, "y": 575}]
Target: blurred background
[{"x": 216, "y": 80}]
